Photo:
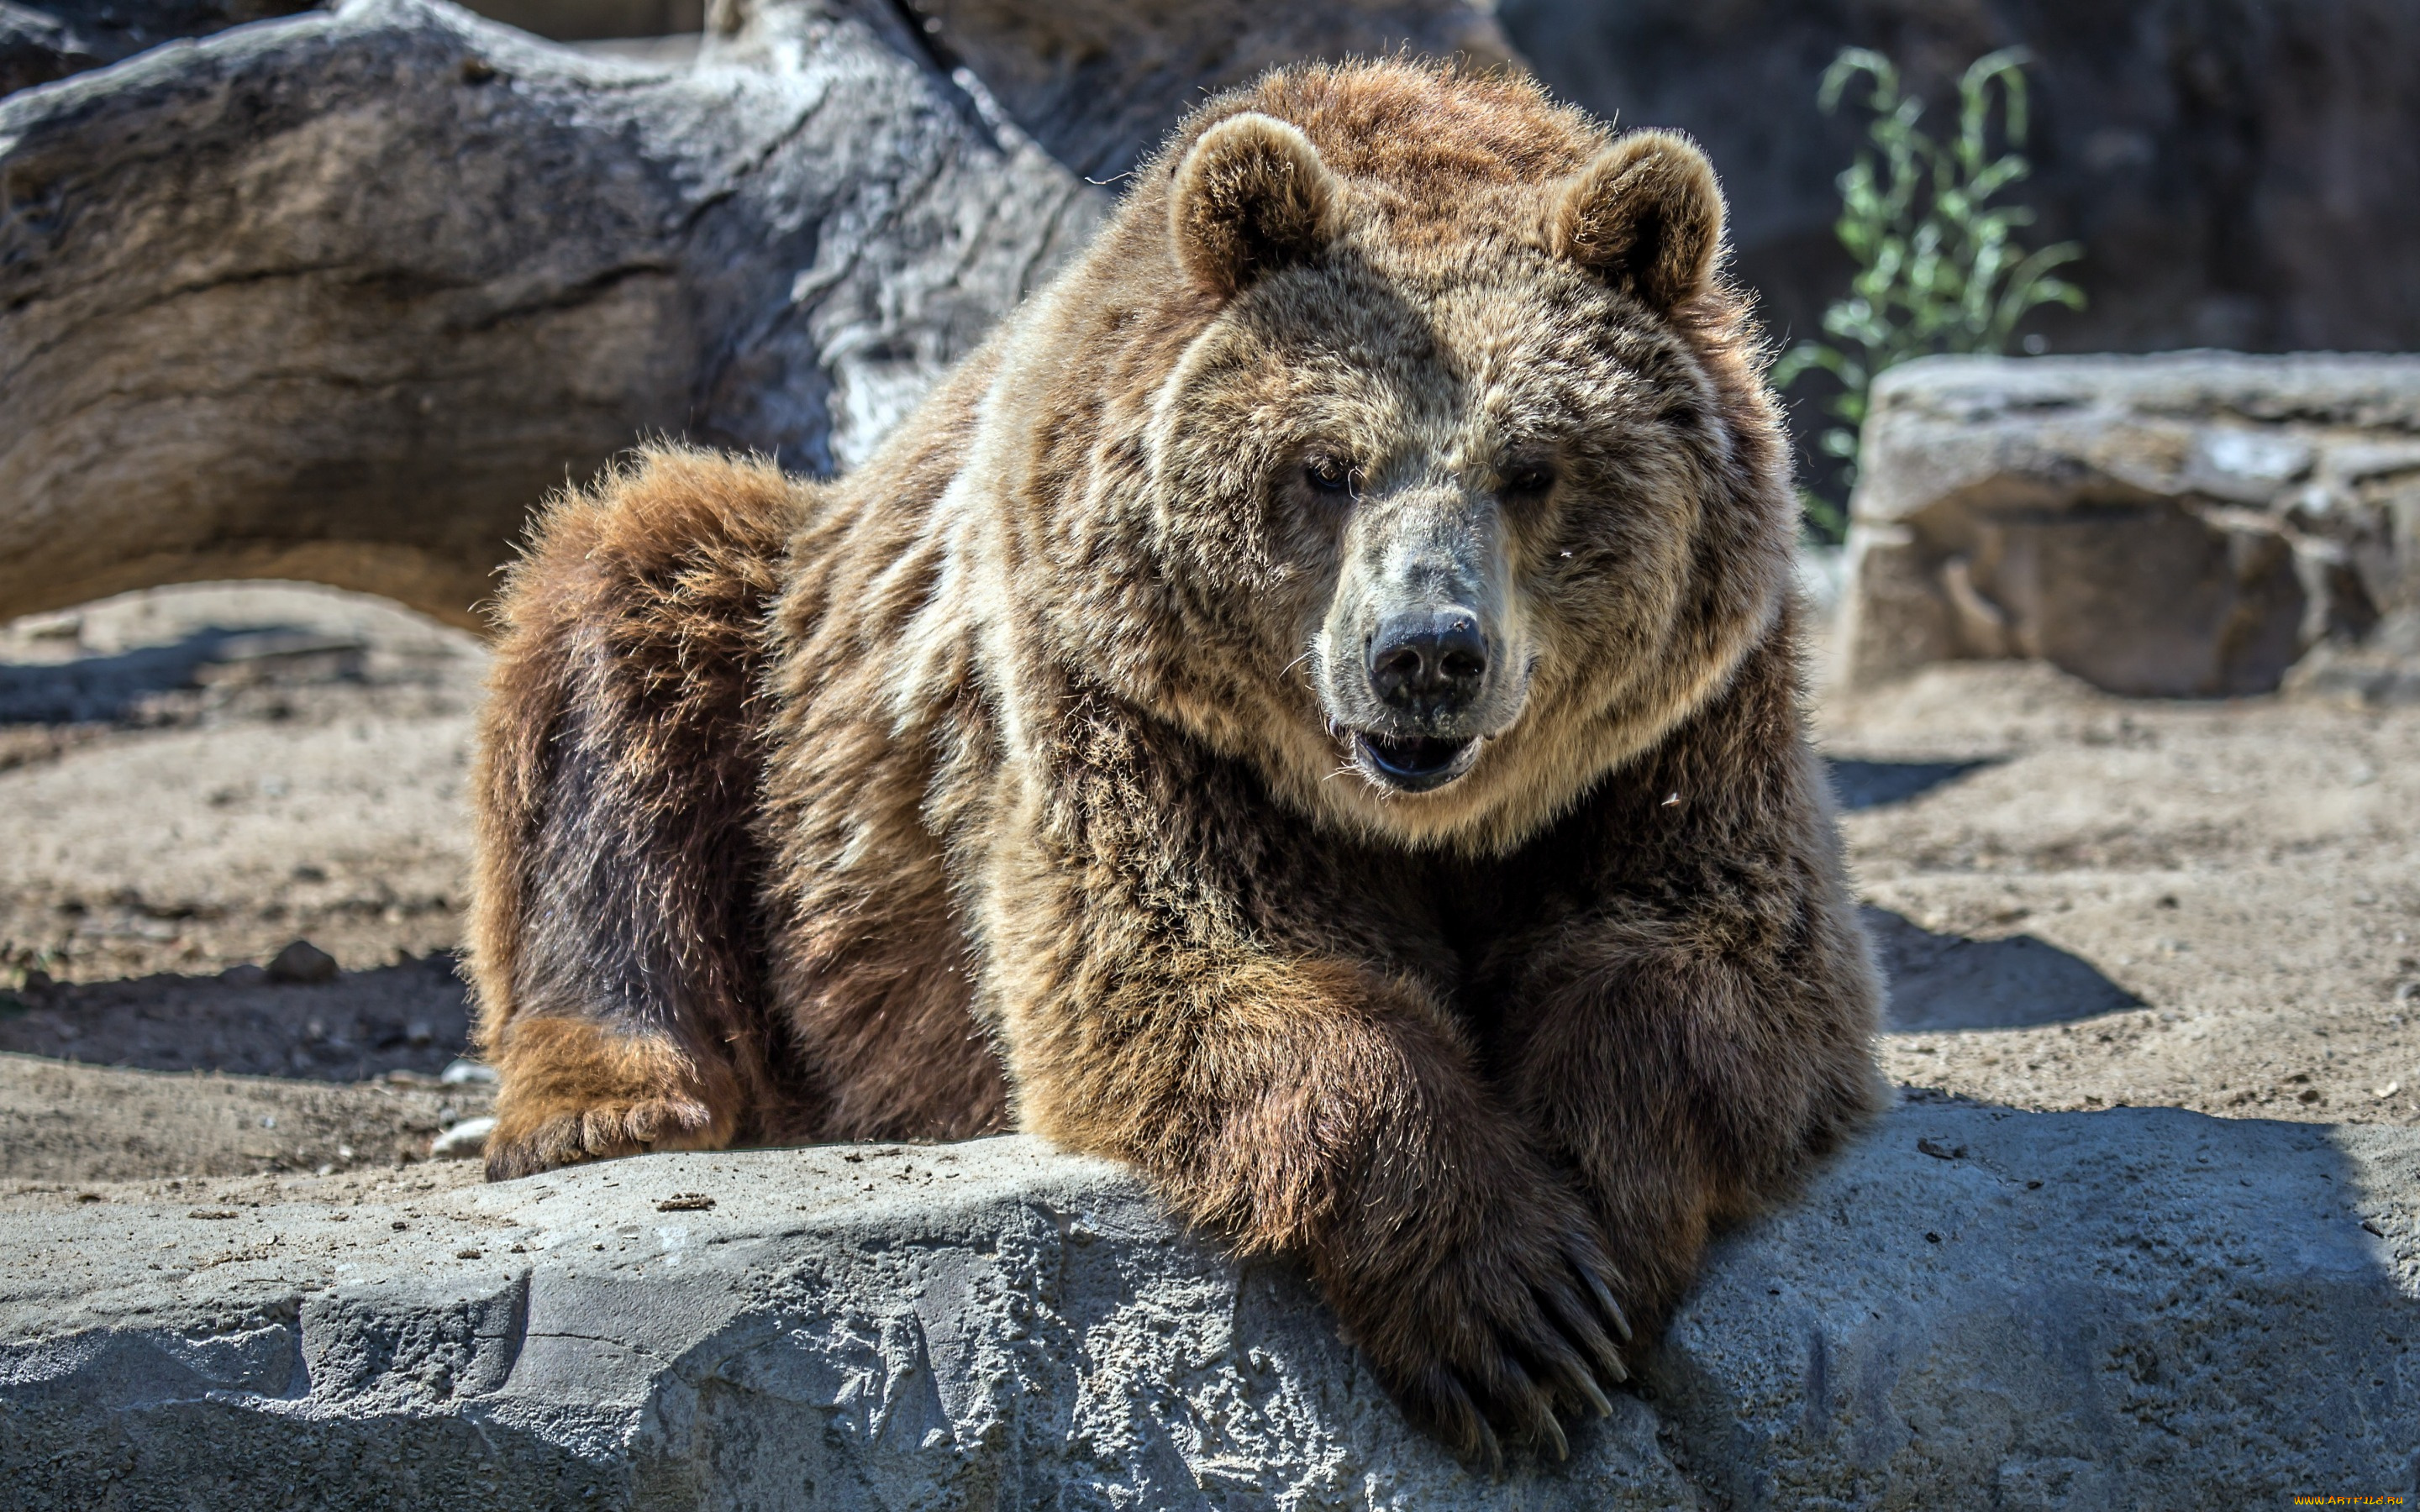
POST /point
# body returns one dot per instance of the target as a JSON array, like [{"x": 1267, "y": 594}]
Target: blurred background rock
[{"x": 2244, "y": 174}]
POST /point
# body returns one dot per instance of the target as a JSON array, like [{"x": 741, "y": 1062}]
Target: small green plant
[{"x": 1938, "y": 268}]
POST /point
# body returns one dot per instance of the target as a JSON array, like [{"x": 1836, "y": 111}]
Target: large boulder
[
  {"x": 2189, "y": 524},
  {"x": 1098, "y": 82},
  {"x": 1971, "y": 1307},
  {"x": 406, "y": 271}
]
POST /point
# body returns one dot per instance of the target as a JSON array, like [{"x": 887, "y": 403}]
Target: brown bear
[{"x": 1311, "y": 710}]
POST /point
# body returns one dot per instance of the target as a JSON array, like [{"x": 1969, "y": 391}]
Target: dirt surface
[
  {"x": 61, "y": 1123},
  {"x": 2084, "y": 901},
  {"x": 189, "y": 780},
  {"x": 192, "y": 778},
  {"x": 2091, "y": 902},
  {"x": 412, "y": 1018}
]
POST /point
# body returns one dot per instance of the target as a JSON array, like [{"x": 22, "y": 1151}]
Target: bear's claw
[
  {"x": 1438, "y": 1401},
  {"x": 1567, "y": 1370},
  {"x": 1533, "y": 1408},
  {"x": 1579, "y": 1326},
  {"x": 1576, "y": 1251},
  {"x": 526, "y": 1146},
  {"x": 1517, "y": 1341}
]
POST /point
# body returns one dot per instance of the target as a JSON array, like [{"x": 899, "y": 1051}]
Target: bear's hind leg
[
  {"x": 577, "y": 1090},
  {"x": 614, "y": 940}
]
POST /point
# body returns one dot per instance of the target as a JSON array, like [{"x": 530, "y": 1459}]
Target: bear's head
[{"x": 1400, "y": 438}]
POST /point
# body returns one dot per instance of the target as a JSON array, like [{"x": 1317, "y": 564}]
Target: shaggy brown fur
[
  {"x": 1311, "y": 711},
  {"x": 620, "y": 755}
]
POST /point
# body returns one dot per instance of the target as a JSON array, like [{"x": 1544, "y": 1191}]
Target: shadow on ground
[
  {"x": 413, "y": 1017},
  {"x": 1949, "y": 982},
  {"x": 1877, "y": 784},
  {"x": 118, "y": 687}
]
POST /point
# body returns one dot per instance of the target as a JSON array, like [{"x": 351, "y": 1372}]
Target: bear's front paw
[
  {"x": 1497, "y": 1335},
  {"x": 527, "y": 1141}
]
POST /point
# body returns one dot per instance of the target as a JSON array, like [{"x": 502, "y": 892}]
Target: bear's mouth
[{"x": 1412, "y": 764}]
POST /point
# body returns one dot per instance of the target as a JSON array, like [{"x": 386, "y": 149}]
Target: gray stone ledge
[
  {"x": 2069, "y": 428},
  {"x": 1973, "y": 1307},
  {"x": 2182, "y": 525}
]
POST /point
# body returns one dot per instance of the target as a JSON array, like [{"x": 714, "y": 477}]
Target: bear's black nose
[{"x": 1428, "y": 660}]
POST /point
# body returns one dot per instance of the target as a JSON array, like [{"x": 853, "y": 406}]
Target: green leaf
[{"x": 1938, "y": 266}]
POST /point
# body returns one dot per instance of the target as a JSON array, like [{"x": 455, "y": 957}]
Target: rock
[
  {"x": 409, "y": 269},
  {"x": 35, "y": 48},
  {"x": 2123, "y": 1309},
  {"x": 1098, "y": 82},
  {"x": 2086, "y": 1311},
  {"x": 464, "y": 1141},
  {"x": 2382, "y": 671},
  {"x": 462, "y": 1072},
  {"x": 2236, "y": 182},
  {"x": 303, "y": 964},
  {"x": 45, "y": 39},
  {"x": 41, "y": 41},
  {"x": 592, "y": 20},
  {"x": 1822, "y": 572},
  {"x": 2190, "y": 524}
]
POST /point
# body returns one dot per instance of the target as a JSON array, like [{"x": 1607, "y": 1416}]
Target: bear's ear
[
  {"x": 1647, "y": 215},
  {"x": 1249, "y": 198}
]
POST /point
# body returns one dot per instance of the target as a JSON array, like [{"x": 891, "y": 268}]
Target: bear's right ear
[
  {"x": 1251, "y": 198},
  {"x": 1646, "y": 215}
]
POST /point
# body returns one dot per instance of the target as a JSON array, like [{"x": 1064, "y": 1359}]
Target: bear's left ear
[
  {"x": 1647, "y": 215},
  {"x": 1251, "y": 197}
]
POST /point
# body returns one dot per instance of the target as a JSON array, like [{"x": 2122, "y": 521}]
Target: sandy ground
[
  {"x": 2084, "y": 901},
  {"x": 189, "y": 780},
  {"x": 2104, "y": 902}
]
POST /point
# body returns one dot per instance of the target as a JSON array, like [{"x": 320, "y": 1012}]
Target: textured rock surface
[
  {"x": 1972, "y": 1308},
  {"x": 2140, "y": 1308},
  {"x": 405, "y": 270},
  {"x": 45, "y": 39},
  {"x": 2188, "y": 524}
]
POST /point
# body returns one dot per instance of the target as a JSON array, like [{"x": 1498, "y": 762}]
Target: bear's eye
[
  {"x": 1528, "y": 478},
  {"x": 1328, "y": 474}
]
